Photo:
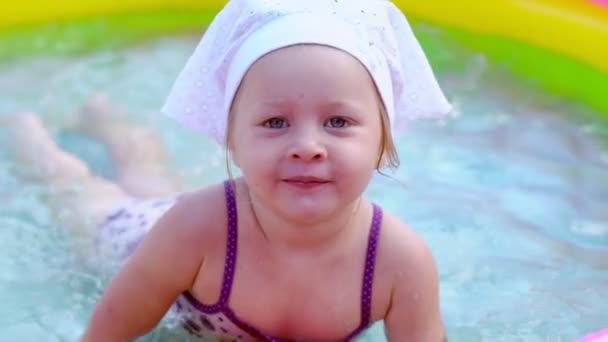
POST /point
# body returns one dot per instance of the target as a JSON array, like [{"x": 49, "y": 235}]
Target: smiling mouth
[{"x": 306, "y": 181}]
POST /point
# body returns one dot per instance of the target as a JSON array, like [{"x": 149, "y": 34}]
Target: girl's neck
[{"x": 283, "y": 234}]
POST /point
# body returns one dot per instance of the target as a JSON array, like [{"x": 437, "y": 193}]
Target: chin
[{"x": 307, "y": 211}]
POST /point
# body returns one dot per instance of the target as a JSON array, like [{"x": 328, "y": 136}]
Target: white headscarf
[{"x": 374, "y": 31}]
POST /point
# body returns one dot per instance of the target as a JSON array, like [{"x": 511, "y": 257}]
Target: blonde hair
[{"x": 387, "y": 154}]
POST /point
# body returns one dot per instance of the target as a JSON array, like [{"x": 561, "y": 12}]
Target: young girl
[{"x": 306, "y": 95}]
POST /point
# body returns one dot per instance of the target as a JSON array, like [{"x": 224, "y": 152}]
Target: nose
[{"x": 307, "y": 146}]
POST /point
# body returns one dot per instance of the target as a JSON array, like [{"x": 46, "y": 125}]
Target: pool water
[{"x": 511, "y": 195}]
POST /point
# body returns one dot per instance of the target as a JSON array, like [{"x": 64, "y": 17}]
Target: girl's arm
[
  {"x": 414, "y": 313},
  {"x": 163, "y": 266}
]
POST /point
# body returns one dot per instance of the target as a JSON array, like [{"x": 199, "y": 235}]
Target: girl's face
[{"x": 306, "y": 132}]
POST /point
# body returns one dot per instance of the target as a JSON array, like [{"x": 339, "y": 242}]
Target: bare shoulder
[
  {"x": 414, "y": 312},
  {"x": 164, "y": 264},
  {"x": 198, "y": 216},
  {"x": 188, "y": 231},
  {"x": 403, "y": 248}
]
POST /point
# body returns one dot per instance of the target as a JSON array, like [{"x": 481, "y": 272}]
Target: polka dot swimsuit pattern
[{"x": 218, "y": 322}]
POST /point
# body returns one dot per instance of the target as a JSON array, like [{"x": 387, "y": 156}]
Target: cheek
[
  {"x": 254, "y": 160},
  {"x": 240, "y": 146},
  {"x": 356, "y": 160},
  {"x": 371, "y": 144}
]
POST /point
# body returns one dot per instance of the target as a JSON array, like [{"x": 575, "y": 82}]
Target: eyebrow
[{"x": 341, "y": 106}]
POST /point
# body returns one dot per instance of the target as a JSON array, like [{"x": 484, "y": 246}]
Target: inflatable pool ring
[
  {"x": 600, "y": 336},
  {"x": 560, "y": 44},
  {"x": 601, "y": 2},
  {"x": 572, "y": 27},
  {"x": 557, "y": 44}
]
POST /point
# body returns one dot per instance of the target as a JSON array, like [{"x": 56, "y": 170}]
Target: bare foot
[
  {"x": 98, "y": 116},
  {"x": 35, "y": 152},
  {"x": 129, "y": 143},
  {"x": 140, "y": 157}
]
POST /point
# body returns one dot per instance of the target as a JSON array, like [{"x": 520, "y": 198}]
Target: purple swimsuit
[{"x": 218, "y": 321}]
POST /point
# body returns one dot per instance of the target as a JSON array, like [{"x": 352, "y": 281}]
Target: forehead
[{"x": 307, "y": 70}]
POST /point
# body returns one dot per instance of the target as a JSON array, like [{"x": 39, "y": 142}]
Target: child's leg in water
[
  {"x": 80, "y": 200},
  {"x": 140, "y": 157}
]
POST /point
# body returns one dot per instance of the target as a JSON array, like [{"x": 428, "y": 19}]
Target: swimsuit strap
[
  {"x": 370, "y": 258},
  {"x": 370, "y": 265},
  {"x": 231, "y": 243}
]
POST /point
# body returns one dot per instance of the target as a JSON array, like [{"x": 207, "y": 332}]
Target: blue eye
[
  {"x": 275, "y": 123},
  {"x": 337, "y": 122}
]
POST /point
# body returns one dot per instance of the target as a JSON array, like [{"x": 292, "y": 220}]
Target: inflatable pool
[
  {"x": 511, "y": 196},
  {"x": 558, "y": 44}
]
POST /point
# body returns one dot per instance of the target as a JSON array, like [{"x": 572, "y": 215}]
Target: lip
[
  {"x": 306, "y": 179},
  {"x": 306, "y": 182}
]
